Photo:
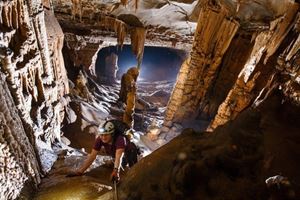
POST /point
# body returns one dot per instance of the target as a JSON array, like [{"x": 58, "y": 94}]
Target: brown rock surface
[
  {"x": 233, "y": 163},
  {"x": 36, "y": 81},
  {"x": 19, "y": 165},
  {"x": 200, "y": 69},
  {"x": 253, "y": 49},
  {"x": 245, "y": 53}
]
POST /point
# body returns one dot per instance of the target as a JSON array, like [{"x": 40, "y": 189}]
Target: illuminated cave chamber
[
  {"x": 158, "y": 73},
  {"x": 159, "y": 63}
]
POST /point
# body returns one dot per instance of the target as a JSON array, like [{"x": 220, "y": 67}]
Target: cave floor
[{"x": 90, "y": 186}]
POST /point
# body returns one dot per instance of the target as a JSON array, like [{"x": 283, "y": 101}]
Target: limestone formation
[
  {"x": 266, "y": 43},
  {"x": 82, "y": 49},
  {"x": 242, "y": 53},
  {"x": 198, "y": 72},
  {"x": 37, "y": 81},
  {"x": 128, "y": 94},
  {"x": 111, "y": 68},
  {"x": 252, "y": 49},
  {"x": 138, "y": 36},
  {"x": 19, "y": 163},
  {"x": 100, "y": 29},
  {"x": 77, "y": 9}
]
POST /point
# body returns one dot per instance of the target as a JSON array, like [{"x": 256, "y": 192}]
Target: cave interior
[{"x": 216, "y": 102}]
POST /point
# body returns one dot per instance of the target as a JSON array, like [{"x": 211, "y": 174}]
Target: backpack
[
  {"x": 131, "y": 150},
  {"x": 120, "y": 128}
]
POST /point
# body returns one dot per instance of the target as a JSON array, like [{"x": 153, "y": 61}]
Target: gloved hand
[
  {"x": 115, "y": 175},
  {"x": 72, "y": 174}
]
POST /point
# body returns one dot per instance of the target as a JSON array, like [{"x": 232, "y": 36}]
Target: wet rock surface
[{"x": 91, "y": 185}]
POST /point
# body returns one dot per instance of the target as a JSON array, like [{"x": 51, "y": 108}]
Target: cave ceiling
[{"x": 168, "y": 23}]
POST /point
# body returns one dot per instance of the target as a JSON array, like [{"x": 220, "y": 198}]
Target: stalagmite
[
  {"x": 127, "y": 94},
  {"x": 121, "y": 30},
  {"x": 124, "y": 2}
]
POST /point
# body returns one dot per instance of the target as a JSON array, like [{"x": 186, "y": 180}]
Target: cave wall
[
  {"x": 33, "y": 106},
  {"x": 232, "y": 163},
  {"x": 260, "y": 75},
  {"x": 98, "y": 29},
  {"x": 212, "y": 38},
  {"x": 19, "y": 165},
  {"x": 220, "y": 82},
  {"x": 35, "y": 71}
]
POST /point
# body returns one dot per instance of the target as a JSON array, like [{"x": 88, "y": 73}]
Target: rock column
[{"x": 212, "y": 38}]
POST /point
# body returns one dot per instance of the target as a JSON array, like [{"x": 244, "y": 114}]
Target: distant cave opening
[
  {"x": 159, "y": 63},
  {"x": 157, "y": 77}
]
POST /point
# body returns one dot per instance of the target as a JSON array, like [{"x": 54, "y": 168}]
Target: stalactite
[
  {"x": 121, "y": 30},
  {"x": 136, "y": 4},
  {"x": 15, "y": 15},
  {"x": 124, "y": 2},
  {"x": 138, "y": 36},
  {"x": 5, "y": 16},
  {"x": 118, "y": 26}
]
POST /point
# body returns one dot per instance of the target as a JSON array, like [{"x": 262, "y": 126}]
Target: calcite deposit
[{"x": 242, "y": 73}]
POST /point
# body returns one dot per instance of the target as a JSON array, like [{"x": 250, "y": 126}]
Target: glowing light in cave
[{"x": 159, "y": 63}]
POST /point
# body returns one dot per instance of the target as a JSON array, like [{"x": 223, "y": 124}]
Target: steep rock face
[
  {"x": 37, "y": 82},
  {"x": 55, "y": 44},
  {"x": 212, "y": 38},
  {"x": 259, "y": 76},
  {"x": 233, "y": 62},
  {"x": 243, "y": 71},
  {"x": 232, "y": 163},
  {"x": 19, "y": 165}
]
